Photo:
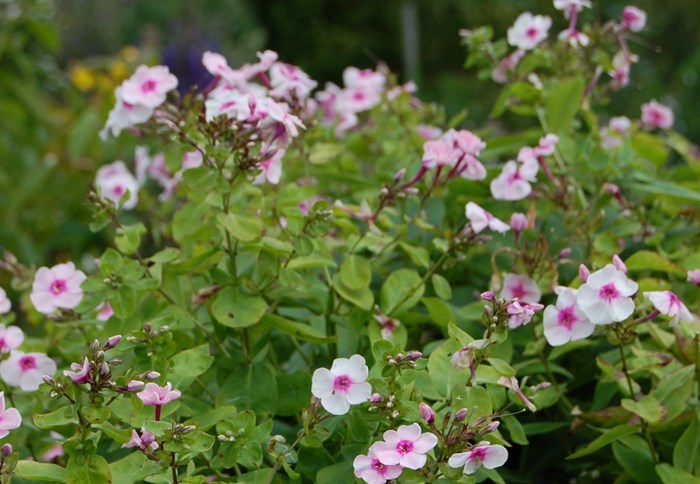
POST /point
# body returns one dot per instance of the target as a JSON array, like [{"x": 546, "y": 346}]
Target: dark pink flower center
[
  {"x": 3, "y": 344},
  {"x": 518, "y": 291},
  {"x": 342, "y": 383},
  {"x": 148, "y": 86},
  {"x": 358, "y": 96},
  {"x": 609, "y": 292},
  {"x": 378, "y": 466},
  {"x": 566, "y": 317},
  {"x": 404, "y": 447},
  {"x": 478, "y": 453},
  {"x": 118, "y": 190},
  {"x": 27, "y": 363},
  {"x": 58, "y": 286},
  {"x": 531, "y": 32}
]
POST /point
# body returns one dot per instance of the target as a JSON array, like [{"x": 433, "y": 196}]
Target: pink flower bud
[
  {"x": 113, "y": 341},
  {"x": 564, "y": 253},
  {"x": 461, "y": 415},
  {"x": 414, "y": 355},
  {"x": 611, "y": 189},
  {"x": 583, "y": 273},
  {"x": 7, "y": 450},
  {"x": 426, "y": 412},
  {"x": 375, "y": 398},
  {"x": 151, "y": 375},
  {"x": 694, "y": 276},
  {"x": 400, "y": 175},
  {"x": 488, "y": 296},
  {"x": 619, "y": 265},
  {"x": 492, "y": 427},
  {"x": 134, "y": 385},
  {"x": 148, "y": 327},
  {"x": 518, "y": 222}
]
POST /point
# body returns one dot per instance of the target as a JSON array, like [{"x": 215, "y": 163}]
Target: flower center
[
  {"x": 609, "y": 292},
  {"x": 27, "y": 363},
  {"x": 404, "y": 447},
  {"x": 518, "y": 291},
  {"x": 57, "y": 287},
  {"x": 378, "y": 466},
  {"x": 148, "y": 86},
  {"x": 342, "y": 383},
  {"x": 531, "y": 32},
  {"x": 566, "y": 317},
  {"x": 478, "y": 454},
  {"x": 3, "y": 344}
]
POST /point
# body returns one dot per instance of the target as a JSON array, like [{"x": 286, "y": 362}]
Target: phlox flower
[
  {"x": 232, "y": 104},
  {"x": 428, "y": 132},
  {"x": 354, "y": 77},
  {"x": 606, "y": 297},
  {"x": 439, "y": 153},
  {"x": 506, "y": 66},
  {"x": 26, "y": 370},
  {"x": 57, "y": 287},
  {"x": 480, "y": 219},
  {"x": 105, "y": 311},
  {"x": 276, "y": 118},
  {"x": 484, "y": 454},
  {"x": 5, "y": 303},
  {"x": 520, "y": 287},
  {"x": 148, "y": 86},
  {"x": 271, "y": 169},
  {"x": 518, "y": 222},
  {"x": 565, "y": 321},
  {"x": 622, "y": 64},
  {"x": 512, "y": 383},
  {"x": 124, "y": 115},
  {"x": 633, "y": 19},
  {"x": 343, "y": 385},
  {"x": 288, "y": 80},
  {"x": 371, "y": 470},
  {"x": 574, "y": 38},
  {"x": 153, "y": 394},
  {"x": 547, "y": 145},
  {"x": 611, "y": 137},
  {"x": 514, "y": 181},
  {"x": 143, "y": 441},
  {"x": 405, "y": 446},
  {"x": 217, "y": 66},
  {"x": 10, "y": 418},
  {"x": 80, "y": 373},
  {"x": 656, "y": 115},
  {"x": 387, "y": 323},
  {"x": 569, "y": 6},
  {"x": 620, "y": 124},
  {"x": 528, "y": 31},
  {"x": 56, "y": 450},
  {"x": 11, "y": 337},
  {"x": 114, "y": 181},
  {"x": 521, "y": 313},
  {"x": 694, "y": 276},
  {"x": 668, "y": 304}
]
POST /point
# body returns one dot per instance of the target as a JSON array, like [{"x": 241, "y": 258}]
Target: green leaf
[
  {"x": 214, "y": 416},
  {"x": 646, "y": 407},
  {"x": 607, "y": 438},
  {"x": 401, "y": 291},
  {"x": 673, "y": 475},
  {"x": 356, "y": 273},
  {"x": 322, "y": 153},
  {"x": 251, "y": 386},
  {"x": 686, "y": 453},
  {"x": 63, "y": 416},
  {"x": 646, "y": 260},
  {"x": 236, "y": 309},
  {"x": 133, "y": 468},
  {"x": 418, "y": 255},
  {"x": 648, "y": 184},
  {"x": 633, "y": 455},
  {"x": 187, "y": 365},
  {"x": 87, "y": 469},
  {"x": 128, "y": 238},
  {"x": 675, "y": 390},
  {"x": 40, "y": 471},
  {"x": 294, "y": 393},
  {"x": 362, "y": 298},
  {"x": 563, "y": 102},
  {"x": 650, "y": 148},
  {"x": 442, "y": 287},
  {"x": 296, "y": 329},
  {"x": 441, "y": 372},
  {"x": 244, "y": 227},
  {"x": 438, "y": 310}
]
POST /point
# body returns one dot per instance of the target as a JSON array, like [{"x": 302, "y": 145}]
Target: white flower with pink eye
[
  {"x": 439, "y": 153},
  {"x": 633, "y": 19},
  {"x": 105, "y": 312},
  {"x": 656, "y": 115},
  {"x": 143, "y": 441},
  {"x": 620, "y": 124},
  {"x": 354, "y": 77},
  {"x": 569, "y": 6},
  {"x": 153, "y": 394},
  {"x": 114, "y": 182},
  {"x": 80, "y": 373},
  {"x": 484, "y": 454},
  {"x": 566, "y": 321},
  {"x": 271, "y": 169},
  {"x": 547, "y": 145},
  {"x": 148, "y": 86},
  {"x": 57, "y": 287},
  {"x": 343, "y": 385},
  {"x": 405, "y": 446},
  {"x": 521, "y": 313},
  {"x": 387, "y": 323},
  {"x": 514, "y": 181},
  {"x": 694, "y": 276},
  {"x": 507, "y": 65},
  {"x": 606, "y": 297},
  {"x": 10, "y": 338},
  {"x": 480, "y": 219},
  {"x": 371, "y": 470},
  {"x": 667, "y": 303},
  {"x": 528, "y": 31},
  {"x": 232, "y": 104},
  {"x": 5, "y": 303},
  {"x": 288, "y": 80},
  {"x": 26, "y": 370},
  {"x": 10, "y": 418},
  {"x": 520, "y": 287},
  {"x": 124, "y": 115}
]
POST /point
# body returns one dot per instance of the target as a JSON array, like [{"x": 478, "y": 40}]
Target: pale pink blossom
[
  {"x": 507, "y": 66},
  {"x": 80, "y": 373},
  {"x": 611, "y": 137},
  {"x": 124, "y": 115},
  {"x": 668, "y": 304},
  {"x": 520, "y": 313},
  {"x": 387, "y": 323},
  {"x": 343, "y": 385},
  {"x": 271, "y": 169},
  {"x": 480, "y": 219},
  {"x": 620, "y": 124},
  {"x": 191, "y": 160},
  {"x": 11, "y": 337},
  {"x": 622, "y": 64},
  {"x": 217, "y": 66},
  {"x": 56, "y": 450},
  {"x": 529, "y": 30},
  {"x": 520, "y": 287},
  {"x": 57, "y": 287},
  {"x": 10, "y": 418},
  {"x": 428, "y": 133},
  {"x": 115, "y": 182},
  {"x": 574, "y": 38},
  {"x": 5, "y": 303},
  {"x": 143, "y": 441},
  {"x": 439, "y": 153},
  {"x": 619, "y": 264},
  {"x": 484, "y": 454},
  {"x": 354, "y": 77},
  {"x": 656, "y": 115},
  {"x": 583, "y": 273},
  {"x": 512, "y": 383},
  {"x": 26, "y": 370},
  {"x": 371, "y": 470},
  {"x": 153, "y": 394},
  {"x": 426, "y": 413},
  {"x": 569, "y": 6},
  {"x": 360, "y": 98},
  {"x": 565, "y": 321},
  {"x": 232, "y": 104},
  {"x": 606, "y": 297},
  {"x": 288, "y": 80},
  {"x": 514, "y": 181},
  {"x": 694, "y": 276},
  {"x": 633, "y": 19},
  {"x": 105, "y": 312},
  {"x": 547, "y": 145},
  {"x": 405, "y": 446},
  {"x": 148, "y": 86}
]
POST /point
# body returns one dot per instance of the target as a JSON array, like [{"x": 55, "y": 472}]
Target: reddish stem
[{"x": 158, "y": 413}]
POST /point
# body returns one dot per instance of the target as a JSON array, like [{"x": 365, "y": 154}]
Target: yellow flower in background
[{"x": 82, "y": 78}]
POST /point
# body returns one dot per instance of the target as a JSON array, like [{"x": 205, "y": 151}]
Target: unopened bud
[
  {"x": 461, "y": 414},
  {"x": 583, "y": 273},
  {"x": 488, "y": 296},
  {"x": 188, "y": 428},
  {"x": 392, "y": 361},
  {"x": 148, "y": 327},
  {"x": 48, "y": 380},
  {"x": 491, "y": 427},
  {"x": 619, "y": 265},
  {"x": 414, "y": 355},
  {"x": 612, "y": 189},
  {"x": 395, "y": 414},
  {"x": 399, "y": 357},
  {"x": 7, "y": 450},
  {"x": 564, "y": 253},
  {"x": 134, "y": 385},
  {"x": 375, "y": 398},
  {"x": 104, "y": 370},
  {"x": 426, "y": 412},
  {"x": 95, "y": 346},
  {"x": 113, "y": 341},
  {"x": 151, "y": 375}
]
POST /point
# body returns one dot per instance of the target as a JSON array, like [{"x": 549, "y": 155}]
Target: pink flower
[
  {"x": 606, "y": 296},
  {"x": 669, "y": 304},
  {"x": 153, "y": 394},
  {"x": 617, "y": 127},
  {"x": 484, "y": 454},
  {"x": 371, "y": 470},
  {"x": 5, "y": 304},
  {"x": 426, "y": 413},
  {"x": 143, "y": 441},
  {"x": 105, "y": 312},
  {"x": 521, "y": 313},
  {"x": 633, "y": 19},
  {"x": 57, "y": 287},
  {"x": 694, "y": 276},
  {"x": 620, "y": 124},
  {"x": 574, "y": 38},
  {"x": 288, "y": 80},
  {"x": 514, "y": 181},
  {"x": 520, "y": 287},
  {"x": 124, "y": 115},
  {"x": 506, "y": 66},
  {"x": 367, "y": 78},
  {"x": 148, "y": 86},
  {"x": 114, "y": 182},
  {"x": 428, "y": 132},
  {"x": 512, "y": 383},
  {"x": 656, "y": 115},
  {"x": 622, "y": 63},
  {"x": 566, "y": 321},
  {"x": 56, "y": 450},
  {"x": 405, "y": 446},
  {"x": 480, "y": 219},
  {"x": 271, "y": 169},
  {"x": 528, "y": 31},
  {"x": 26, "y": 370},
  {"x": 439, "y": 153},
  {"x": 80, "y": 373},
  {"x": 343, "y": 385},
  {"x": 232, "y": 104},
  {"x": 10, "y": 418},
  {"x": 10, "y": 338},
  {"x": 387, "y": 323},
  {"x": 547, "y": 145}
]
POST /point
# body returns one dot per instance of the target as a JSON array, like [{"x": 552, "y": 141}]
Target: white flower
[
  {"x": 480, "y": 219},
  {"x": 606, "y": 296},
  {"x": 26, "y": 370},
  {"x": 566, "y": 321},
  {"x": 489, "y": 456},
  {"x": 528, "y": 31},
  {"x": 114, "y": 181},
  {"x": 343, "y": 385},
  {"x": 669, "y": 304},
  {"x": 520, "y": 287}
]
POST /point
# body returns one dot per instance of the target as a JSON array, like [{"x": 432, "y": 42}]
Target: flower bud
[
  {"x": 491, "y": 427},
  {"x": 134, "y": 385},
  {"x": 188, "y": 428},
  {"x": 95, "y": 346},
  {"x": 148, "y": 327},
  {"x": 426, "y": 412},
  {"x": 399, "y": 175},
  {"x": 518, "y": 222},
  {"x": 48, "y": 380},
  {"x": 7, "y": 450},
  {"x": 113, "y": 341},
  {"x": 104, "y": 370},
  {"x": 619, "y": 265},
  {"x": 414, "y": 355},
  {"x": 583, "y": 273},
  {"x": 399, "y": 357},
  {"x": 488, "y": 296},
  {"x": 375, "y": 398},
  {"x": 564, "y": 253},
  {"x": 611, "y": 189},
  {"x": 151, "y": 375},
  {"x": 461, "y": 415}
]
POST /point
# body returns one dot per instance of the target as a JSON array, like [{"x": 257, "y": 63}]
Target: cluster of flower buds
[
  {"x": 404, "y": 360},
  {"x": 511, "y": 312},
  {"x": 94, "y": 369}
]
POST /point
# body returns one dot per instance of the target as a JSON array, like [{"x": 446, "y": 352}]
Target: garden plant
[{"x": 340, "y": 284}]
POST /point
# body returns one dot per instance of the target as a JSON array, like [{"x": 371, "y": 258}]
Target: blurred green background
[{"x": 60, "y": 60}]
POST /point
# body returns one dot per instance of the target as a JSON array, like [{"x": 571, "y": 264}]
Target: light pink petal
[
  {"x": 336, "y": 404},
  {"x": 359, "y": 393},
  {"x": 621, "y": 309},
  {"x": 391, "y": 437},
  {"x": 409, "y": 432},
  {"x": 413, "y": 460},
  {"x": 43, "y": 301},
  {"x": 322, "y": 383},
  {"x": 13, "y": 336},
  {"x": 10, "y": 419},
  {"x": 10, "y": 372},
  {"x": 387, "y": 454},
  {"x": 496, "y": 456},
  {"x": 458, "y": 460},
  {"x": 582, "y": 329},
  {"x": 357, "y": 371},
  {"x": 361, "y": 463},
  {"x": 30, "y": 380},
  {"x": 425, "y": 443},
  {"x": 392, "y": 472}
]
